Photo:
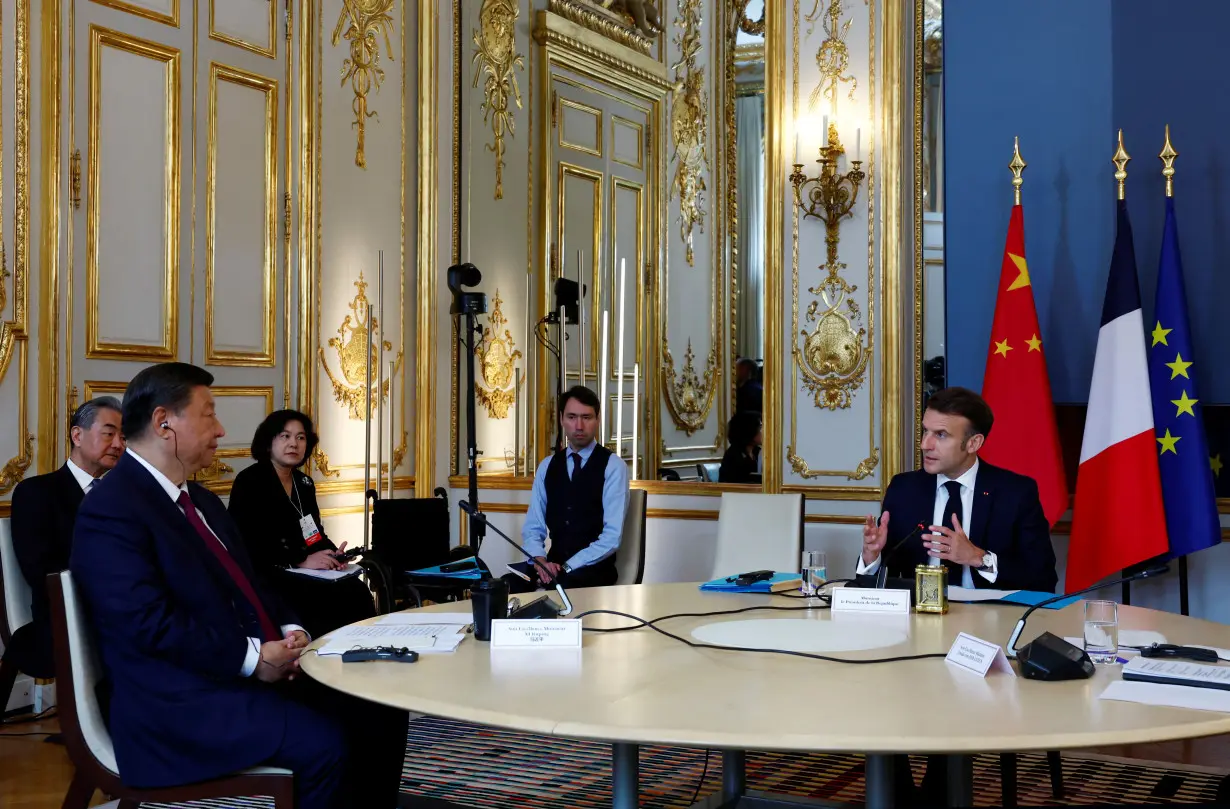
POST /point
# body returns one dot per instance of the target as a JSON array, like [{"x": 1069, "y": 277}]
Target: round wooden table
[{"x": 640, "y": 687}]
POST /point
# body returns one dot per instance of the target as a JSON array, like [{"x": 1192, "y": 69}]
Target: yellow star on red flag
[
  {"x": 1002, "y": 348},
  {"x": 1022, "y": 279},
  {"x": 1034, "y": 343}
]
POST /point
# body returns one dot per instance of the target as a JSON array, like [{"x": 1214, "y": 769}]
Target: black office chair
[{"x": 407, "y": 534}]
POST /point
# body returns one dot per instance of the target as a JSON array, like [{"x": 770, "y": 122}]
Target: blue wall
[{"x": 1065, "y": 76}]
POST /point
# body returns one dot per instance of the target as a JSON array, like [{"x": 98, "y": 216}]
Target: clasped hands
[
  {"x": 279, "y": 659},
  {"x": 948, "y": 544},
  {"x": 554, "y": 568}
]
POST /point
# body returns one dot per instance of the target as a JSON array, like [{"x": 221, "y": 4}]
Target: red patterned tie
[{"x": 268, "y": 627}]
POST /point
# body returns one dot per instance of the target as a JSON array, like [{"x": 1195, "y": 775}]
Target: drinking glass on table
[
  {"x": 1102, "y": 631},
  {"x": 813, "y": 571}
]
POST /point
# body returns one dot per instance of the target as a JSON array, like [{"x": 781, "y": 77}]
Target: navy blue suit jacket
[
  {"x": 1008, "y": 521},
  {"x": 173, "y": 631}
]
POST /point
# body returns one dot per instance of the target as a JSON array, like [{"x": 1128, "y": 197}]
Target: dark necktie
[
  {"x": 576, "y": 464},
  {"x": 268, "y": 628},
  {"x": 953, "y": 508}
]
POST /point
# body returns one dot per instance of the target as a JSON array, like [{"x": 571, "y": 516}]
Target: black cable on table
[{"x": 652, "y": 624}]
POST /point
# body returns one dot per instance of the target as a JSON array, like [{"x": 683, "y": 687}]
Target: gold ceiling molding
[
  {"x": 350, "y": 343},
  {"x": 366, "y": 19},
  {"x": 833, "y": 57},
  {"x": 689, "y": 110},
  {"x": 689, "y": 398},
  {"x": 495, "y": 56},
  {"x": 497, "y": 356},
  {"x": 596, "y": 16},
  {"x": 576, "y": 47}
]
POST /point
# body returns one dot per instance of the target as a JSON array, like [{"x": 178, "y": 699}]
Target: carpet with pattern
[{"x": 483, "y": 767}]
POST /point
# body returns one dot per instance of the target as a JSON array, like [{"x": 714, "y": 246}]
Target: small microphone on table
[{"x": 1050, "y": 657}]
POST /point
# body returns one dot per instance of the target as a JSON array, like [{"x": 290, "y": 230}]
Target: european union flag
[{"x": 1183, "y": 451}]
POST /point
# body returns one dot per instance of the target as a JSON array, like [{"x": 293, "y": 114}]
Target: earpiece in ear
[{"x": 166, "y": 425}]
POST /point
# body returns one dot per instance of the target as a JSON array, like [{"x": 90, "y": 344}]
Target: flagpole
[
  {"x": 1167, "y": 157},
  {"x": 1120, "y": 160}
]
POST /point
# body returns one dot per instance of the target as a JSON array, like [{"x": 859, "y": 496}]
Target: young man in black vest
[{"x": 578, "y": 499}]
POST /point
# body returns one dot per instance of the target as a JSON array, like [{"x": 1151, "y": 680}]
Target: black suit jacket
[
  {"x": 269, "y": 521},
  {"x": 173, "y": 631},
  {"x": 44, "y": 512},
  {"x": 1007, "y": 521}
]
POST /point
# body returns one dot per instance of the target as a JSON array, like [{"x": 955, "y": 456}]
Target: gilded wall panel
[
  {"x": 242, "y": 217},
  {"x": 133, "y": 206},
  {"x": 362, "y": 177},
  {"x": 245, "y": 24}
]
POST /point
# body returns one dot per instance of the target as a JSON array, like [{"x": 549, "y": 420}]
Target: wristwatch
[
  {"x": 987, "y": 561},
  {"x": 567, "y": 568}
]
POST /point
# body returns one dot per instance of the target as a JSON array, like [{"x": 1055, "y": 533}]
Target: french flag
[{"x": 1118, "y": 519}]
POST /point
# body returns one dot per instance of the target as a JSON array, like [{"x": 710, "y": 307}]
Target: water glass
[
  {"x": 813, "y": 571},
  {"x": 1102, "y": 631}
]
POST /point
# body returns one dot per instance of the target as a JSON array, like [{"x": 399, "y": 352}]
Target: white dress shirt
[
  {"x": 614, "y": 504},
  {"x": 83, "y": 478},
  {"x": 254, "y": 644},
  {"x": 967, "y": 481}
]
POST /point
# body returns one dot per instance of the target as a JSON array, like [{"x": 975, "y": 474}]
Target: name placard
[
  {"x": 977, "y": 655},
  {"x": 557, "y": 633},
  {"x": 855, "y": 599}
]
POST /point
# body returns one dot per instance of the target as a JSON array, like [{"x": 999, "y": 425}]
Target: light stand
[{"x": 470, "y": 304}]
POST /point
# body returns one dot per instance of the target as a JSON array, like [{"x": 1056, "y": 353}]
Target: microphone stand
[
  {"x": 479, "y": 523},
  {"x": 478, "y": 516}
]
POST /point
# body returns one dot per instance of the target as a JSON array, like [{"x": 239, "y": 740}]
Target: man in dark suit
[
  {"x": 200, "y": 656},
  {"x": 44, "y": 512},
  {"x": 984, "y": 523}
]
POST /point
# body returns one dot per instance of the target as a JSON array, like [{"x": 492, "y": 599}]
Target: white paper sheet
[
  {"x": 407, "y": 618},
  {"x": 1170, "y": 696},
  {"x": 329, "y": 575},
  {"x": 411, "y": 636},
  {"x": 956, "y": 593}
]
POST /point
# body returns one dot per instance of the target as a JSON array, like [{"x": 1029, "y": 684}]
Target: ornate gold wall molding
[
  {"x": 363, "y": 21},
  {"x": 689, "y": 398},
  {"x": 321, "y": 462},
  {"x": 350, "y": 343},
  {"x": 495, "y": 57},
  {"x": 425, "y": 366},
  {"x": 689, "y": 114},
  {"x": 833, "y": 57},
  {"x": 497, "y": 356},
  {"x": 595, "y": 16}
]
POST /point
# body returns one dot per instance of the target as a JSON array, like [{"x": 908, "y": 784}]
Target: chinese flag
[{"x": 1025, "y": 438}]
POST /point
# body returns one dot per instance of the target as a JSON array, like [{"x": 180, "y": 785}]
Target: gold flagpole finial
[
  {"x": 1017, "y": 166},
  {"x": 1168, "y": 155},
  {"x": 1120, "y": 160}
]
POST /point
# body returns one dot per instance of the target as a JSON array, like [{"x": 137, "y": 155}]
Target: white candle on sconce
[
  {"x": 858, "y": 144},
  {"x": 824, "y": 132},
  {"x": 796, "y": 146}
]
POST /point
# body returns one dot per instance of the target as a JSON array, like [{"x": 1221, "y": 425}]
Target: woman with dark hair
[
  {"x": 739, "y": 462},
  {"x": 274, "y": 505}
]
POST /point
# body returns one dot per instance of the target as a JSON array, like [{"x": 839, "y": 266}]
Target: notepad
[
  {"x": 327, "y": 575},
  {"x": 1177, "y": 672},
  {"x": 779, "y": 583}
]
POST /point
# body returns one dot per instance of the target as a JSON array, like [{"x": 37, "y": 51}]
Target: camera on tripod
[
  {"x": 466, "y": 303},
  {"x": 568, "y": 297}
]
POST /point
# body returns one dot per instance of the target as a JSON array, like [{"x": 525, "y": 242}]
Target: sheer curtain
[{"x": 750, "y": 190}]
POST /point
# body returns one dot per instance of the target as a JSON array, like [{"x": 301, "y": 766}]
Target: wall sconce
[{"x": 831, "y": 196}]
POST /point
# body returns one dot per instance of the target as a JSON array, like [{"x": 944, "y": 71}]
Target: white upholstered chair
[
  {"x": 14, "y": 607},
  {"x": 78, "y": 672},
  {"x": 758, "y": 532},
  {"x": 630, "y": 559}
]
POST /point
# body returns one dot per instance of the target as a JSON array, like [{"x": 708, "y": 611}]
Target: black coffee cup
[{"x": 490, "y": 601}]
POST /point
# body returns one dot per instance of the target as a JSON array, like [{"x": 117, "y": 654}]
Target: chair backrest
[
  {"x": 630, "y": 559},
  {"x": 709, "y": 471},
  {"x": 15, "y": 606},
  {"x": 78, "y": 672},
  {"x": 758, "y": 532},
  {"x": 411, "y": 533}
]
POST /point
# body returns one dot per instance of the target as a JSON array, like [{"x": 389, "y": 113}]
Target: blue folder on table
[
  {"x": 1026, "y": 598},
  {"x": 473, "y": 573},
  {"x": 723, "y": 586}
]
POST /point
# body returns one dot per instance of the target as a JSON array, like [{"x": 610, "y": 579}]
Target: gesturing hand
[
  {"x": 952, "y": 544},
  {"x": 875, "y": 536}
]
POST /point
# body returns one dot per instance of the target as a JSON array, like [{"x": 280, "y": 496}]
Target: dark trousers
[
  {"x": 602, "y": 574},
  {"x": 344, "y": 751}
]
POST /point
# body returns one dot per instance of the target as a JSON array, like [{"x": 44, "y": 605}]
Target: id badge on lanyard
[{"x": 311, "y": 534}]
